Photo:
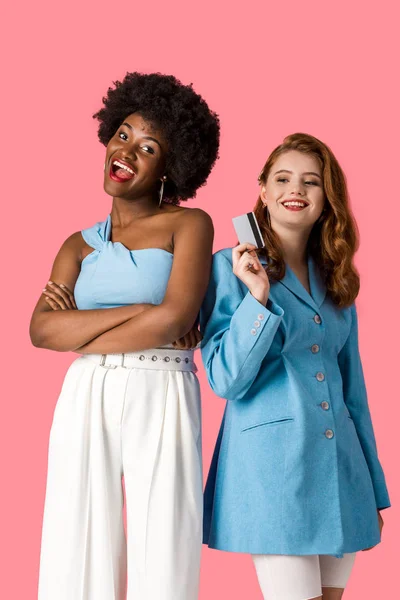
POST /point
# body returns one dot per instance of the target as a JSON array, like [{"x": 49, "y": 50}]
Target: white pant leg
[
  {"x": 335, "y": 572},
  {"x": 288, "y": 577},
  {"x": 83, "y": 553},
  {"x": 161, "y": 447}
]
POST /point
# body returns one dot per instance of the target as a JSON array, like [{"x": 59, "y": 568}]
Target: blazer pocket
[{"x": 280, "y": 421}]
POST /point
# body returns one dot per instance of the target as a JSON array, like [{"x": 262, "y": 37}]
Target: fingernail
[
  {"x": 44, "y": 290},
  {"x": 62, "y": 285},
  {"x": 50, "y": 282}
]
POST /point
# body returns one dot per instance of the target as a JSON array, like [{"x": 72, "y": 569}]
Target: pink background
[{"x": 269, "y": 69}]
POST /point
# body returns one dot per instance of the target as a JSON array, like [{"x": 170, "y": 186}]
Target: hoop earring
[{"x": 163, "y": 180}]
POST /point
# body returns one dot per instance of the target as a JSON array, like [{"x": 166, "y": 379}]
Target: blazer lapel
[
  {"x": 292, "y": 283},
  {"x": 317, "y": 285}
]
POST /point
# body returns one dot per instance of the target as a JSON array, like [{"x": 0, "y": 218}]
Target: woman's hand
[
  {"x": 247, "y": 267},
  {"x": 190, "y": 340},
  {"x": 59, "y": 297},
  {"x": 380, "y": 521}
]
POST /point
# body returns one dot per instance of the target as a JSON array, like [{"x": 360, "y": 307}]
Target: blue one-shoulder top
[{"x": 114, "y": 276}]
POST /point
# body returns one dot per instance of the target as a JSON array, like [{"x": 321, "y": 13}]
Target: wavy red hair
[{"x": 334, "y": 238}]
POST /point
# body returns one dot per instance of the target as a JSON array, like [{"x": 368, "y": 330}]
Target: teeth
[
  {"x": 116, "y": 162},
  {"x": 294, "y": 203}
]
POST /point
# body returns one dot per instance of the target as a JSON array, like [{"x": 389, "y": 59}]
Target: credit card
[{"x": 248, "y": 230}]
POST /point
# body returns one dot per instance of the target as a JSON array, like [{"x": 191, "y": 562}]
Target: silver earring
[{"x": 163, "y": 180}]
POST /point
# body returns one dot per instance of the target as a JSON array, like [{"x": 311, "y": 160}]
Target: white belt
[{"x": 168, "y": 359}]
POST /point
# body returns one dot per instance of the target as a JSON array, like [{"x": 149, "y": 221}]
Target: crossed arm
[{"x": 136, "y": 327}]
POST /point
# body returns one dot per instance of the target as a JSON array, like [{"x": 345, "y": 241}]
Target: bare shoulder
[
  {"x": 74, "y": 240},
  {"x": 193, "y": 218},
  {"x": 73, "y": 246},
  {"x": 194, "y": 230}
]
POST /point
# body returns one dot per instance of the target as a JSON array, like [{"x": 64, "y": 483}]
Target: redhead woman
[
  {"x": 295, "y": 480},
  {"x": 125, "y": 294}
]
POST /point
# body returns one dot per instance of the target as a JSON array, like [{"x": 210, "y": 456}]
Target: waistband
[{"x": 164, "y": 359}]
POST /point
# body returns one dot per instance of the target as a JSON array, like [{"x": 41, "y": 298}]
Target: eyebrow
[
  {"x": 146, "y": 137},
  {"x": 307, "y": 173}
]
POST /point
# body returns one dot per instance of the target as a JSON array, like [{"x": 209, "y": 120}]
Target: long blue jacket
[{"x": 295, "y": 468}]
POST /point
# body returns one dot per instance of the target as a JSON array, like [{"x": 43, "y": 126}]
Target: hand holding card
[
  {"x": 248, "y": 230},
  {"x": 245, "y": 262}
]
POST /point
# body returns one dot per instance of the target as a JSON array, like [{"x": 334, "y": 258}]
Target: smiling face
[
  {"x": 294, "y": 191},
  {"x": 135, "y": 160}
]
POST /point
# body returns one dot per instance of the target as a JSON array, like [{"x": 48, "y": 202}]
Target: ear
[{"x": 263, "y": 194}]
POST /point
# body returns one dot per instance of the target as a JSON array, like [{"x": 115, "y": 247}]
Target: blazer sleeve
[
  {"x": 237, "y": 332},
  {"x": 355, "y": 397}
]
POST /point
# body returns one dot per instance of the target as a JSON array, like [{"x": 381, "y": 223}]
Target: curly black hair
[{"x": 191, "y": 129}]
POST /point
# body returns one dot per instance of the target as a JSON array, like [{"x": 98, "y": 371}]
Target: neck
[
  {"x": 294, "y": 244},
  {"x": 125, "y": 211}
]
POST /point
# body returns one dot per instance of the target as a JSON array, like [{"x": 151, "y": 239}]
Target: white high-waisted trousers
[
  {"x": 290, "y": 577},
  {"x": 137, "y": 416}
]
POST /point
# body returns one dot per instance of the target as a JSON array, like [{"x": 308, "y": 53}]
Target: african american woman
[{"x": 125, "y": 294}]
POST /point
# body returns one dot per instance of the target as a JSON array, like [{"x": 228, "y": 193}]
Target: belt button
[
  {"x": 314, "y": 348},
  {"x": 320, "y": 376},
  {"x": 325, "y": 405},
  {"x": 141, "y": 357},
  {"x": 317, "y": 319},
  {"x": 329, "y": 434}
]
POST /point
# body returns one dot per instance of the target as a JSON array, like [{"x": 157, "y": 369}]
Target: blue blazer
[{"x": 295, "y": 469}]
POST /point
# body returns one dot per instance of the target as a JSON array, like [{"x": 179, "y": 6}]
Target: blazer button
[
  {"x": 256, "y": 323},
  {"x": 260, "y": 317},
  {"x": 320, "y": 376},
  {"x": 314, "y": 348},
  {"x": 317, "y": 319},
  {"x": 329, "y": 434},
  {"x": 253, "y": 331},
  {"x": 325, "y": 405}
]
